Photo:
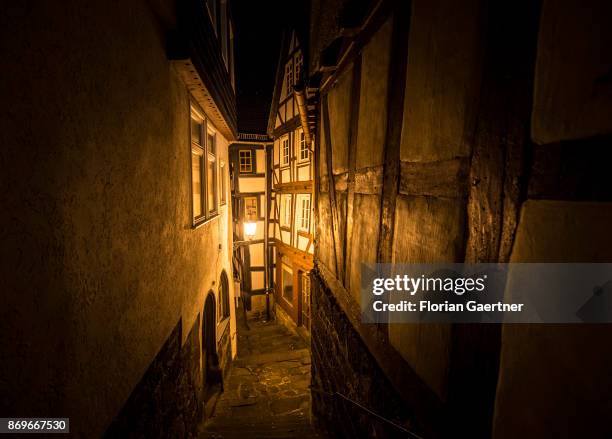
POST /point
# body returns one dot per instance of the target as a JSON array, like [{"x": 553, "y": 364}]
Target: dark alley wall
[
  {"x": 469, "y": 134},
  {"x": 100, "y": 265}
]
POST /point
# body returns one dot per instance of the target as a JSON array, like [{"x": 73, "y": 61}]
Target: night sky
[{"x": 259, "y": 29}]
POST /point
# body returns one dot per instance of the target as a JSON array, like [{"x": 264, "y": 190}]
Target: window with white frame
[
  {"x": 289, "y": 77},
  {"x": 245, "y": 158},
  {"x": 223, "y": 182},
  {"x": 304, "y": 213},
  {"x": 286, "y": 210},
  {"x": 285, "y": 150},
  {"x": 211, "y": 171},
  {"x": 298, "y": 67},
  {"x": 204, "y": 182},
  {"x": 303, "y": 147},
  {"x": 197, "y": 168}
]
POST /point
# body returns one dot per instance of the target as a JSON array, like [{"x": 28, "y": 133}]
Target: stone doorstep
[{"x": 271, "y": 358}]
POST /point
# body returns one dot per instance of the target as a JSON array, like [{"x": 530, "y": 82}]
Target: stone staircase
[
  {"x": 288, "y": 426},
  {"x": 267, "y": 393}
]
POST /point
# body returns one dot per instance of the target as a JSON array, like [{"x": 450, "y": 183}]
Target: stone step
[
  {"x": 261, "y": 435},
  {"x": 225, "y": 424},
  {"x": 271, "y": 357},
  {"x": 250, "y": 433}
]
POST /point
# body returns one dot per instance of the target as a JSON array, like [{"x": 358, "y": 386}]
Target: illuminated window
[
  {"x": 246, "y": 160},
  {"x": 223, "y": 178},
  {"x": 286, "y": 210},
  {"x": 204, "y": 189},
  {"x": 285, "y": 150},
  {"x": 197, "y": 168},
  {"x": 211, "y": 172},
  {"x": 304, "y": 213},
  {"x": 303, "y": 147},
  {"x": 250, "y": 208},
  {"x": 298, "y": 67}
]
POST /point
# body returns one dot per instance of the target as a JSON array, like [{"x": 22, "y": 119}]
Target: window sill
[{"x": 200, "y": 223}]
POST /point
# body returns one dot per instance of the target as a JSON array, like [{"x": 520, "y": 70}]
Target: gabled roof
[
  {"x": 301, "y": 36},
  {"x": 278, "y": 81}
]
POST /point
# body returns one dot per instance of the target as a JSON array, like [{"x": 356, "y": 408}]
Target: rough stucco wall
[
  {"x": 573, "y": 91},
  {"x": 427, "y": 229},
  {"x": 437, "y": 112},
  {"x": 555, "y": 379},
  {"x": 339, "y": 98},
  {"x": 363, "y": 241},
  {"x": 442, "y": 81},
  {"x": 372, "y": 123},
  {"x": 324, "y": 250},
  {"x": 99, "y": 260}
]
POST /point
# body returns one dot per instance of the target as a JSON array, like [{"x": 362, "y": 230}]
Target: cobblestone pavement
[{"x": 267, "y": 392}]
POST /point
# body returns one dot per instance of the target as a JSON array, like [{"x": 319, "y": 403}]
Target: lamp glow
[{"x": 249, "y": 229}]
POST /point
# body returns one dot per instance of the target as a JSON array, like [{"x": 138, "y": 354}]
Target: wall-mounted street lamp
[{"x": 250, "y": 228}]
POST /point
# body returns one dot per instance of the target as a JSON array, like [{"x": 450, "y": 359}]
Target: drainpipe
[
  {"x": 268, "y": 183},
  {"x": 300, "y": 99}
]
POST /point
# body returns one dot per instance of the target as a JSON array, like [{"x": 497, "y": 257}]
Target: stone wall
[
  {"x": 167, "y": 400},
  {"x": 343, "y": 365}
]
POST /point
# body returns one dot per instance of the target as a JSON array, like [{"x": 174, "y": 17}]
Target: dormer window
[
  {"x": 298, "y": 67},
  {"x": 289, "y": 77}
]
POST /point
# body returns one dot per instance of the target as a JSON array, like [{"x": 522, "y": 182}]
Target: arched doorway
[{"x": 210, "y": 360}]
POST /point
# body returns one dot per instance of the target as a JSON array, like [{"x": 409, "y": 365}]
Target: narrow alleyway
[{"x": 267, "y": 392}]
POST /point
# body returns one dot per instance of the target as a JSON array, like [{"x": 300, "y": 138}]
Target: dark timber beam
[
  {"x": 333, "y": 206},
  {"x": 497, "y": 176},
  {"x": 395, "y": 115},
  {"x": 352, "y": 158}
]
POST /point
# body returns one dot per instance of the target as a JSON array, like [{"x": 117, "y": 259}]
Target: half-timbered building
[
  {"x": 249, "y": 157},
  {"x": 291, "y": 197},
  {"x": 453, "y": 135}
]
